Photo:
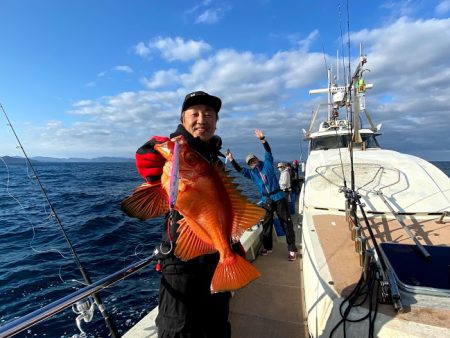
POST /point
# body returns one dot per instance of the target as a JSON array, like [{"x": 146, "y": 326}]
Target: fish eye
[{"x": 190, "y": 158}]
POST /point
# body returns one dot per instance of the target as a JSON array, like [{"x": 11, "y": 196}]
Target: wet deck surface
[{"x": 271, "y": 306}]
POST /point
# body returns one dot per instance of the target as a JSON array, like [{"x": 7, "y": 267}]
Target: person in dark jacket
[
  {"x": 187, "y": 309},
  {"x": 295, "y": 185},
  {"x": 263, "y": 174}
]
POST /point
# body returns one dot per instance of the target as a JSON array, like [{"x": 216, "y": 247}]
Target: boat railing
[
  {"x": 419, "y": 245},
  {"x": 23, "y": 323}
]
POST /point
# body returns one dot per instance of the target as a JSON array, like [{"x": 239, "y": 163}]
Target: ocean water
[{"x": 36, "y": 266}]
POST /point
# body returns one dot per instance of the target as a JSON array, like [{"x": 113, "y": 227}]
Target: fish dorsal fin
[
  {"x": 245, "y": 213},
  {"x": 189, "y": 245},
  {"x": 146, "y": 201}
]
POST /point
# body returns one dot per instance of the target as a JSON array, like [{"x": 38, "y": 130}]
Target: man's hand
[
  {"x": 150, "y": 162},
  {"x": 259, "y": 134},
  {"x": 229, "y": 155}
]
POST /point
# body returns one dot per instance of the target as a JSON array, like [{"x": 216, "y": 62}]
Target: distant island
[{"x": 43, "y": 159}]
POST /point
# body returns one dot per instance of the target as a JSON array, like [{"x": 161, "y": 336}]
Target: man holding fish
[{"x": 205, "y": 217}]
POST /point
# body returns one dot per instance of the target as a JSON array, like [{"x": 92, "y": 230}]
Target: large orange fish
[{"x": 214, "y": 212}]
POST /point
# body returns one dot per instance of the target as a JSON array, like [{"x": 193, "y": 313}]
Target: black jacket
[{"x": 185, "y": 301}]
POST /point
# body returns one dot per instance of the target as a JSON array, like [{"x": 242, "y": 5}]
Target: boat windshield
[{"x": 341, "y": 141}]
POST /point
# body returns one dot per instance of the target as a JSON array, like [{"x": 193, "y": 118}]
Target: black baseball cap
[{"x": 200, "y": 97}]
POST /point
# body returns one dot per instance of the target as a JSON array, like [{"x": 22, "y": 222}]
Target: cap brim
[{"x": 209, "y": 100}]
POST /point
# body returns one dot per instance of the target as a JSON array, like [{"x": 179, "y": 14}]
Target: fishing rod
[
  {"x": 45, "y": 312},
  {"x": 388, "y": 283},
  {"x": 383, "y": 272},
  {"x": 87, "y": 279}
]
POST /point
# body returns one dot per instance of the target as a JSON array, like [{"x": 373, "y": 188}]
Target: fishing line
[
  {"x": 70, "y": 280},
  {"x": 32, "y": 226},
  {"x": 349, "y": 88},
  {"x": 342, "y": 41},
  {"x": 324, "y": 59},
  {"x": 364, "y": 287},
  {"x": 136, "y": 253},
  {"x": 138, "y": 249},
  {"x": 348, "y": 96},
  {"x": 84, "y": 273},
  {"x": 27, "y": 218},
  {"x": 338, "y": 141}
]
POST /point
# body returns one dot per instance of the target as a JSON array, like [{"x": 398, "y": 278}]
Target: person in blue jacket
[{"x": 263, "y": 174}]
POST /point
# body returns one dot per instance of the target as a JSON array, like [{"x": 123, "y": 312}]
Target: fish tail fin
[{"x": 232, "y": 274}]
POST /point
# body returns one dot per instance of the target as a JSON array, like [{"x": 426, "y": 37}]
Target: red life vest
[{"x": 149, "y": 162}]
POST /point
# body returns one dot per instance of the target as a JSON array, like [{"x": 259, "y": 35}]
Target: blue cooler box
[{"x": 278, "y": 229}]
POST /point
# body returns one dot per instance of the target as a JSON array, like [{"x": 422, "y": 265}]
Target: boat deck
[
  {"x": 432, "y": 312},
  {"x": 272, "y": 305}
]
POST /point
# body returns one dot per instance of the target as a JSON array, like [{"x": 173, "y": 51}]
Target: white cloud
[
  {"x": 408, "y": 52},
  {"x": 173, "y": 49},
  {"x": 443, "y": 7},
  {"x": 209, "y": 16},
  {"x": 408, "y": 62},
  {"x": 119, "y": 68},
  {"x": 142, "y": 50},
  {"x": 124, "y": 69},
  {"x": 206, "y": 13},
  {"x": 178, "y": 49},
  {"x": 399, "y": 8},
  {"x": 305, "y": 43},
  {"x": 162, "y": 79}
]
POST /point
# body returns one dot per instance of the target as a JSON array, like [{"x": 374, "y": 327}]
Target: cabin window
[{"x": 341, "y": 141}]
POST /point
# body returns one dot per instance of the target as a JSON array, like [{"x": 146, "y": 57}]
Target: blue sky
[{"x": 98, "y": 78}]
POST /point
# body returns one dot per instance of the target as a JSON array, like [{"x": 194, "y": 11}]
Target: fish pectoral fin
[
  {"x": 233, "y": 273},
  {"x": 146, "y": 201},
  {"x": 189, "y": 245},
  {"x": 245, "y": 213}
]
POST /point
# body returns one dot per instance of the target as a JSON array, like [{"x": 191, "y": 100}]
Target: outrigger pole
[{"x": 87, "y": 279}]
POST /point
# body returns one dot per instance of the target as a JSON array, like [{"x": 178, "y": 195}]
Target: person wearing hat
[
  {"x": 186, "y": 306},
  {"x": 285, "y": 180},
  {"x": 263, "y": 174}
]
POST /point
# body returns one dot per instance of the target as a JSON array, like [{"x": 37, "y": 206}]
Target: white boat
[{"x": 375, "y": 228}]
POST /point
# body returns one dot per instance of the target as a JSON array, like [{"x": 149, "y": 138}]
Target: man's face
[
  {"x": 200, "y": 120},
  {"x": 253, "y": 162}
]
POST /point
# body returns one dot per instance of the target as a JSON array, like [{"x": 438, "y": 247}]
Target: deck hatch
[{"x": 415, "y": 271}]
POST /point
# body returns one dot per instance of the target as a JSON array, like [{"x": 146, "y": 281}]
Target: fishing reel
[
  {"x": 85, "y": 310},
  {"x": 348, "y": 193}
]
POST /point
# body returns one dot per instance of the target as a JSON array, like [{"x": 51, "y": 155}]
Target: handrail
[
  {"x": 421, "y": 248},
  {"x": 51, "y": 309}
]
